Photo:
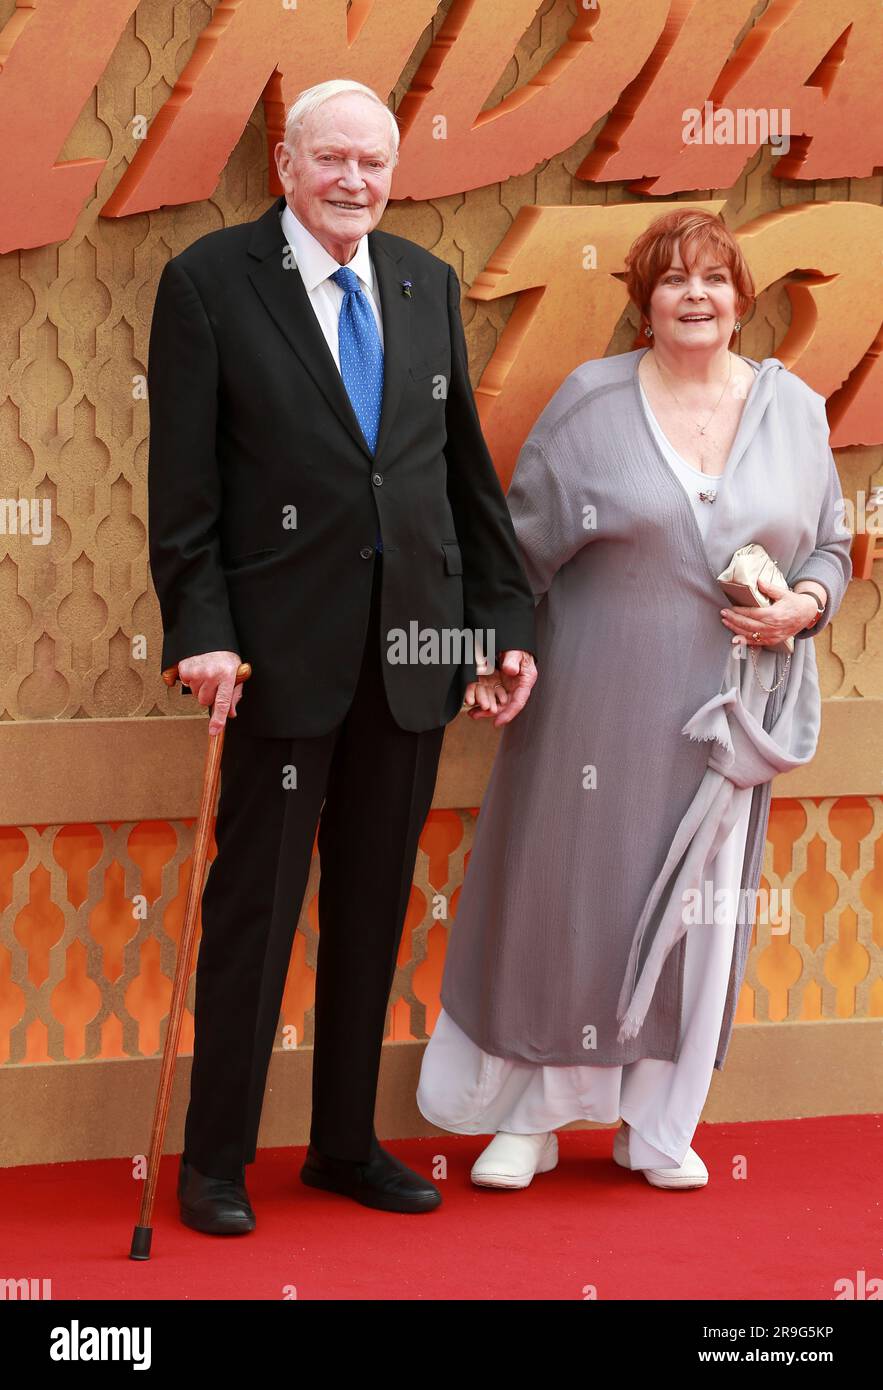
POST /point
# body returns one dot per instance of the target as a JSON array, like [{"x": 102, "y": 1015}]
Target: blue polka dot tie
[{"x": 361, "y": 354}]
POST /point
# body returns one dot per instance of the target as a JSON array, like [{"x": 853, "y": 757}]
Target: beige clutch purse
[{"x": 739, "y": 580}]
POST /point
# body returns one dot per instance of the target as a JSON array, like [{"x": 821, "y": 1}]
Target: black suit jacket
[{"x": 265, "y": 500}]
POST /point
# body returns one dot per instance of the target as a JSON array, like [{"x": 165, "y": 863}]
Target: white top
[
  {"x": 315, "y": 265},
  {"x": 693, "y": 480}
]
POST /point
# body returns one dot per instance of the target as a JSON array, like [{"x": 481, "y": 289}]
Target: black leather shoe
[
  {"x": 218, "y": 1206},
  {"x": 382, "y": 1182}
]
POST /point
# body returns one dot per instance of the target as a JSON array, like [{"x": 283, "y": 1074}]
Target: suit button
[
  {"x": 377, "y": 479},
  {"x": 366, "y": 552}
]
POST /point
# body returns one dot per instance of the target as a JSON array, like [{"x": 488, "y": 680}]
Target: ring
[{"x": 755, "y": 636}]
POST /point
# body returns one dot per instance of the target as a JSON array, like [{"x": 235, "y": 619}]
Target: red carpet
[{"x": 807, "y": 1214}]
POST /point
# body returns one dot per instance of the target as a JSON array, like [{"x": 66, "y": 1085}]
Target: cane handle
[{"x": 170, "y": 674}]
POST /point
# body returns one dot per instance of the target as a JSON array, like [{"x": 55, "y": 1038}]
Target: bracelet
[{"x": 821, "y": 606}]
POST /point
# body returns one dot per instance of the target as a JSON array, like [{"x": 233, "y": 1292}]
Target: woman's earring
[
  {"x": 736, "y": 326},
  {"x": 648, "y": 332}
]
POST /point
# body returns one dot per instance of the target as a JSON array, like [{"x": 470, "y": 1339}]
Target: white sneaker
[
  {"x": 510, "y": 1160},
  {"x": 691, "y": 1173}
]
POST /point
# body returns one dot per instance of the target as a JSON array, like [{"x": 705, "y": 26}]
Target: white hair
[{"x": 310, "y": 98}]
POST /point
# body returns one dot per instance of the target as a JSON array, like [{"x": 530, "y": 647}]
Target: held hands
[
  {"x": 503, "y": 692},
  {"x": 789, "y": 613},
  {"x": 212, "y": 678}
]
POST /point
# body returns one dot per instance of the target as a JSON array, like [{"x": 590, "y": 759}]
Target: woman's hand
[{"x": 768, "y": 627}]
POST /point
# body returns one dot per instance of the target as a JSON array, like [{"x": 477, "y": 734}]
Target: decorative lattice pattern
[
  {"x": 91, "y": 916},
  {"x": 81, "y": 631}
]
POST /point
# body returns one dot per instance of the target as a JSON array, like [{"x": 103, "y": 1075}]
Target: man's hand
[
  {"x": 502, "y": 693},
  {"x": 212, "y": 678}
]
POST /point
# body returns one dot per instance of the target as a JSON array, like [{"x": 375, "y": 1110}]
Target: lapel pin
[{"x": 406, "y": 288}]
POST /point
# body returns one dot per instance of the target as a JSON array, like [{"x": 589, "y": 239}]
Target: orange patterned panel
[{"x": 90, "y": 917}]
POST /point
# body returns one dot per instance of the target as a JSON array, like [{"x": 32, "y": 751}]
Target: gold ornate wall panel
[
  {"x": 82, "y": 975},
  {"x": 90, "y": 917},
  {"x": 81, "y": 630}
]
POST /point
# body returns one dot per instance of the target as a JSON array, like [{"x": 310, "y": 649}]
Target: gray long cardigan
[{"x": 613, "y": 785}]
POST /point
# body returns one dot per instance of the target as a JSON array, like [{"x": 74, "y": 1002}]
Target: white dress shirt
[{"x": 315, "y": 265}]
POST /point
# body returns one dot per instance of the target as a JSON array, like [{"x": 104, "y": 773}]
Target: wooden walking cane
[{"x": 143, "y": 1232}]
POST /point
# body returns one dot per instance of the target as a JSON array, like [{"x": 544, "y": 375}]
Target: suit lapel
[
  {"x": 287, "y": 302},
  {"x": 395, "y": 308}
]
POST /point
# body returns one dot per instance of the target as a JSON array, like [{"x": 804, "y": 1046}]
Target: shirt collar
[{"x": 314, "y": 262}]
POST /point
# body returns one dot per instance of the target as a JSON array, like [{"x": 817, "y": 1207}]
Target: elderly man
[{"x": 318, "y": 483}]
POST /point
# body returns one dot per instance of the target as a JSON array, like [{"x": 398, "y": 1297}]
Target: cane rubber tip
[{"x": 141, "y": 1239}]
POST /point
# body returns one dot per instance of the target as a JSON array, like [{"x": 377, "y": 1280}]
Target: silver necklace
[{"x": 705, "y": 494}]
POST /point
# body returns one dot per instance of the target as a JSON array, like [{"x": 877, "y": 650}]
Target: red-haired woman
[{"x": 596, "y": 958}]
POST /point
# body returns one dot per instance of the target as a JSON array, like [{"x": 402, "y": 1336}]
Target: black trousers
[{"x": 376, "y": 781}]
